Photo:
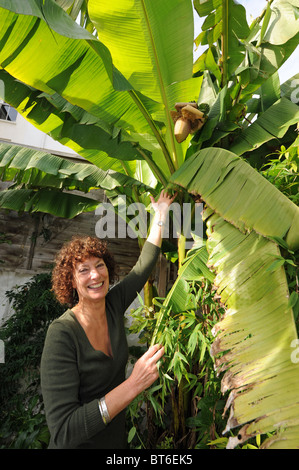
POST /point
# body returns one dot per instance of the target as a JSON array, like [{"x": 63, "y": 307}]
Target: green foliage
[
  {"x": 3, "y": 238},
  {"x": 22, "y": 421},
  {"x": 186, "y": 373},
  {"x": 283, "y": 173}
]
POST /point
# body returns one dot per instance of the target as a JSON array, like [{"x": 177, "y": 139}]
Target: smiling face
[{"x": 91, "y": 279}]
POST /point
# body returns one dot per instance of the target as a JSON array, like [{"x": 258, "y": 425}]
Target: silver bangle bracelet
[{"x": 104, "y": 411}]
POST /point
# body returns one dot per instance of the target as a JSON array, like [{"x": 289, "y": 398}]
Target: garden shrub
[{"x": 22, "y": 419}]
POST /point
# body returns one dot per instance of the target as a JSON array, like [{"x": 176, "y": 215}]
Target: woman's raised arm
[{"x": 161, "y": 208}]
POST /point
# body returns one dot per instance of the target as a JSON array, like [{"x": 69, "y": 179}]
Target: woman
[{"x": 85, "y": 353}]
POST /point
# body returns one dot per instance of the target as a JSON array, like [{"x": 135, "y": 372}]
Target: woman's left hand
[
  {"x": 161, "y": 208},
  {"x": 163, "y": 203}
]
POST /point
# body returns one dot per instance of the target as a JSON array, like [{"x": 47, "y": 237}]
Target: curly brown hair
[{"x": 76, "y": 250}]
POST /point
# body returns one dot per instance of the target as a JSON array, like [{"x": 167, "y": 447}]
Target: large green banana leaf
[
  {"x": 143, "y": 38},
  {"x": 89, "y": 136},
  {"x": 46, "y": 200},
  {"x": 34, "y": 168},
  {"x": 272, "y": 124},
  {"x": 245, "y": 212},
  {"x": 41, "y": 181},
  {"x": 152, "y": 49},
  {"x": 240, "y": 194},
  {"x": 80, "y": 70}
]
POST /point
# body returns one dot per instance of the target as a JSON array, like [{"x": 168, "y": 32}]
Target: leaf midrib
[{"x": 161, "y": 86}]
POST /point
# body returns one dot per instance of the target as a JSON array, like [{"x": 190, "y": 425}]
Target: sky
[{"x": 254, "y": 9}]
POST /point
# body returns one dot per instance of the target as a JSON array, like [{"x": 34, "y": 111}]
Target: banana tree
[
  {"x": 127, "y": 118},
  {"x": 247, "y": 219},
  {"x": 141, "y": 125},
  {"x": 111, "y": 98}
]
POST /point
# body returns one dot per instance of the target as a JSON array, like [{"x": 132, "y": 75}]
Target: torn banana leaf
[
  {"x": 240, "y": 194},
  {"x": 51, "y": 201},
  {"x": 255, "y": 339},
  {"x": 33, "y": 168},
  {"x": 256, "y": 334}
]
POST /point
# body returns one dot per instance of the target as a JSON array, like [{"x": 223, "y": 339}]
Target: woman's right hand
[
  {"x": 145, "y": 371},
  {"x": 143, "y": 375}
]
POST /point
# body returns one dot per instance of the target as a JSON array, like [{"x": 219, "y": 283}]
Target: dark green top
[{"x": 74, "y": 375}]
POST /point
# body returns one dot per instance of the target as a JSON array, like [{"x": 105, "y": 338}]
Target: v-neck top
[{"x": 74, "y": 375}]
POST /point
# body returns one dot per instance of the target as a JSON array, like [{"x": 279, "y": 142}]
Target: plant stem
[
  {"x": 155, "y": 169},
  {"x": 224, "y": 41},
  {"x": 154, "y": 129},
  {"x": 148, "y": 286},
  {"x": 259, "y": 18},
  {"x": 148, "y": 293},
  {"x": 181, "y": 249},
  {"x": 172, "y": 163}
]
